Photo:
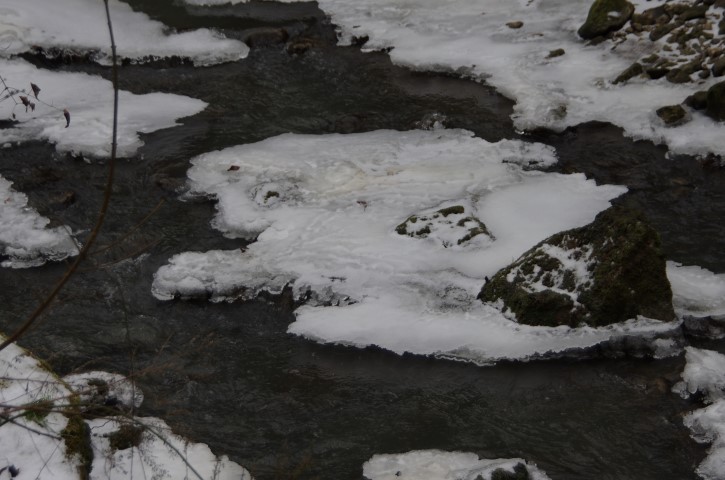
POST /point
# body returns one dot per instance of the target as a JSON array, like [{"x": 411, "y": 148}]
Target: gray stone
[{"x": 605, "y": 16}]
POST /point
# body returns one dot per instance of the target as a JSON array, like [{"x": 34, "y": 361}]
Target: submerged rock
[
  {"x": 605, "y": 16},
  {"x": 607, "y": 272}
]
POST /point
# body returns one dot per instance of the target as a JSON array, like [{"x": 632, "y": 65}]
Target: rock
[
  {"x": 515, "y": 25},
  {"x": 556, "y": 53},
  {"x": 680, "y": 75},
  {"x": 605, "y": 16},
  {"x": 716, "y": 101},
  {"x": 697, "y": 100},
  {"x": 718, "y": 67},
  {"x": 657, "y": 72},
  {"x": 692, "y": 13},
  {"x": 520, "y": 473},
  {"x": 609, "y": 271},
  {"x": 265, "y": 37},
  {"x": 661, "y": 30},
  {"x": 673, "y": 115},
  {"x": 450, "y": 226},
  {"x": 632, "y": 71},
  {"x": 651, "y": 16}
]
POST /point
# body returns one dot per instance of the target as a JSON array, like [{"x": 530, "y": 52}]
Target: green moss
[
  {"x": 77, "y": 438},
  {"x": 454, "y": 210},
  {"x": 423, "y": 231},
  {"x": 270, "y": 194},
  {"x": 38, "y": 410},
  {"x": 402, "y": 229},
  {"x": 628, "y": 276},
  {"x": 127, "y": 436}
]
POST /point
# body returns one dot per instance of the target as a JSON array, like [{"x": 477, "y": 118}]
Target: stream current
[{"x": 230, "y": 376}]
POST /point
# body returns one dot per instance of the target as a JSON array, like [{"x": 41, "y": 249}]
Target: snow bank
[
  {"x": 471, "y": 37},
  {"x": 25, "y": 239},
  {"x": 80, "y": 26},
  {"x": 705, "y": 374},
  {"x": 326, "y": 210},
  {"x": 439, "y": 465},
  {"x": 41, "y": 406},
  {"x": 89, "y": 100}
]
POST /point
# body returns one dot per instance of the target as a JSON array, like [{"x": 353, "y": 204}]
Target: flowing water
[{"x": 230, "y": 376}]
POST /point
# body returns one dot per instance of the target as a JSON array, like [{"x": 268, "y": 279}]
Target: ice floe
[
  {"x": 44, "y": 440},
  {"x": 25, "y": 239},
  {"x": 80, "y": 26},
  {"x": 324, "y": 211},
  {"x": 440, "y": 465},
  {"x": 696, "y": 291},
  {"x": 705, "y": 374},
  {"x": 472, "y": 38},
  {"x": 89, "y": 100}
]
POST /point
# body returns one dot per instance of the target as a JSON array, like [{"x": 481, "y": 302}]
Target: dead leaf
[
  {"x": 233, "y": 168},
  {"x": 35, "y": 88},
  {"x": 66, "y": 114}
]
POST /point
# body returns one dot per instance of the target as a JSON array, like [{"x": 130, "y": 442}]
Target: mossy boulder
[
  {"x": 451, "y": 226},
  {"x": 716, "y": 101},
  {"x": 605, "y": 16},
  {"x": 697, "y": 100},
  {"x": 607, "y": 272},
  {"x": 630, "y": 72},
  {"x": 673, "y": 115}
]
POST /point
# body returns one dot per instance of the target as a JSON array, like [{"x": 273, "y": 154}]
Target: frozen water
[
  {"x": 471, "y": 37},
  {"x": 324, "y": 211},
  {"x": 33, "y": 442},
  {"x": 696, "y": 291},
  {"x": 440, "y": 465},
  {"x": 705, "y": 373},
  {"x": 80, "y": 26},
  {"x": 25, "y": 239},
  {"x": 89, "y": 100}
]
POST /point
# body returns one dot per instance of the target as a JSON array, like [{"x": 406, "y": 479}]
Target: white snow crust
[
  {"x": 89, "y": 100},
  {"x": 33, "y": 444},
  {"x": 705, "y": 373},
  {"x": 696, "y": 291},
  {"x": 470, "y": 37},
  {"x": 440, "y": 465},
  {"x": 80, "y": 26},
  {"x": 25, "y": 238},
  {"x": 324, "y": 209}
]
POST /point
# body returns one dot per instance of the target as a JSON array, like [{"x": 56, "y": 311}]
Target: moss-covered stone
[
  {"x": 672, "y": 115},
  {"x": 625, "y": 276},
  {"x": 556, "y": 53},
  {"x": 77, "y": 438},
  {"x": 128, "y": 435},
  {"x": 661, "y": 30},
  {"x": 605, "y": 16},
  {"x": 718, "y": 67},
  {"x": 631, "y": 72},
  {"x": 692, "y": 13},
  {"x": 38, "y": 410},
  {"x": 716, "y": 101},
  {"x": 454, "y": 210}
]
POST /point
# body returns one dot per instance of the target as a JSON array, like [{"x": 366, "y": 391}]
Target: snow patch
[
  {"x": 27, "y": 25},
  {"x": 25, "y": 239}
]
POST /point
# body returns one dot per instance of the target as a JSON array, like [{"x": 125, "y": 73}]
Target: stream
[{"x": 283, "y": 407}]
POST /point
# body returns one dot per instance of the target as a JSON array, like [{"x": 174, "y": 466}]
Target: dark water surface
[{"x": 230, "y": 376}]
